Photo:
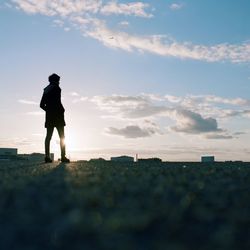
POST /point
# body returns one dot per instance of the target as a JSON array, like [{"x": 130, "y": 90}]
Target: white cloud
[
  {"x": 163, "y": 46},
  {"x": 212, "y": 105},
  {"x": 67, "y": 7},
  {"x": 80, "y": 20},
  {"x": 133, "y": 8},
  {"x": 84, "y": 98},
  {"x": 58, "y": 22},
  {"x": 218, "y": 136},
  {"x": 28, "y": 102},
  {"x": 80, "y": 99},
  {"x": 124, "y": 23},
  {"x": 74, "y": 94},
  {"x": 67, "y": 29},
  {"x": 232, "y": 101},
  {"x": 57, "y": 7},
  {"x": 119, "y": 100},
  {"x": 234, "y": 113},
  {"x": 153, "y": 97},
  {"x": 148, "y": 105},
  {"x": 77, "y": 97},
  {"x": 84, "y": 16},
  {"x": 173, "y": 99},
  {"x": 129, "y": 107},
  {"x": 176, "y": 6},
  {"x": 193, "y": 123},
  {"x": 132, "y": 131}
]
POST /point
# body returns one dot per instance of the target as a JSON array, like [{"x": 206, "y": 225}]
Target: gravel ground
[{"x": 119, "y": 206}]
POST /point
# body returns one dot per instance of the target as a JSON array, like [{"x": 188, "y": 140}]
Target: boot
[
  {"x": 65, "y": 159},
  {"x": 47, "y": 159}
]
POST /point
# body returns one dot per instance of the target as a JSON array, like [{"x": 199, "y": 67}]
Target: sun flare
[{"x": 71, "y": 142}]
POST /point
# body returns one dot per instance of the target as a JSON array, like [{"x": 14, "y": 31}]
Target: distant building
[
  {"x": 8, "y": 153},
  {"x": 97, "y": 160},
  {"x": 123, "y": 158},
  {"x": 207, "y": 159},
  {"x": 150, "y": 160},
  {"x": 233, "y": 161}
]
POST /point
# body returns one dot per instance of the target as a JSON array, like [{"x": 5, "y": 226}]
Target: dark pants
[{"x": 60, "y": 131}]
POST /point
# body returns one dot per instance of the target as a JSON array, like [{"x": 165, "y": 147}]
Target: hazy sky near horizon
[{"x": 162, "y": 78}]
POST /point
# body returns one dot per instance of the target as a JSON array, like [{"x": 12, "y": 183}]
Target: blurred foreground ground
[{"x": 119, "y": 206}]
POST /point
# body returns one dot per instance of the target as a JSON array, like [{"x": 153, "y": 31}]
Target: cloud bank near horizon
[
  {"x": 193, "y": 115},
  {"x": 89, "y": 17}
]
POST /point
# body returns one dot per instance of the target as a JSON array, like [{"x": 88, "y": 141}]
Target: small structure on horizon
[
  {"x": 150, "y": 160},
  {"x": 207, "y": 159},
  {"x": 8, "y": 153},
  {"x": 237, "y": 161},
  {"x": 123, "y": 158},
  {"x": 100, "y": 159}
]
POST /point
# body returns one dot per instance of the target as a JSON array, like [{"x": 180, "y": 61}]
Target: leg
[
  {"x": 60, "y": 131},
  {"x": 47, "y": 141}
]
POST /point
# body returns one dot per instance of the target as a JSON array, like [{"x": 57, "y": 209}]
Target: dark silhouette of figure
[{"x": 51, "y": 104}]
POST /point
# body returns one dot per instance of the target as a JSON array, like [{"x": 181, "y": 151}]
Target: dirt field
[{"x": 118, "y": 206}]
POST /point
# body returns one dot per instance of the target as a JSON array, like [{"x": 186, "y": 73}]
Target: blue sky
[{"x": 158, "y": 78}]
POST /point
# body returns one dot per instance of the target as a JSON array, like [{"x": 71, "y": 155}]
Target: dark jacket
[{"x": 51, "y": 104}]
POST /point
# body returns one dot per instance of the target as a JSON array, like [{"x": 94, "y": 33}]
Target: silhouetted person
[{"x": 51, "y": 104}]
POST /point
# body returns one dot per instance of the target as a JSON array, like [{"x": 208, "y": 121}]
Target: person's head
[{"x": 54, "y": 78}]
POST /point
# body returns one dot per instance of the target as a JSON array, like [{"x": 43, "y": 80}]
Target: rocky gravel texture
[{"x": 106, "y": 205}]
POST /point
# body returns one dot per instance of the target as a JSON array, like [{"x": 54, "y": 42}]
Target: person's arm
[
  {"x": 42, "y": 103},
  {"x": 60, "y": 102}
]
